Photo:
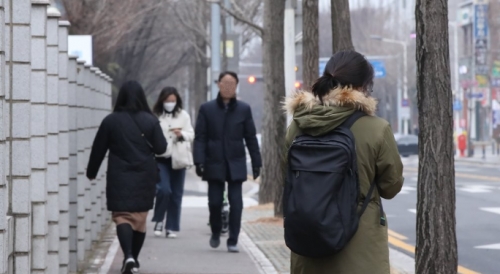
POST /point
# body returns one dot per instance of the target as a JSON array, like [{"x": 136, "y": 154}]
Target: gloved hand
[
  {"x": 200, "y": 170},
  {"x": 256, "y": 172}
]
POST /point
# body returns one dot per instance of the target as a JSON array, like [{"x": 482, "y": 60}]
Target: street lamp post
[
  {"x": 402, "y": 124},
  {"x": 215, "y": 47}
]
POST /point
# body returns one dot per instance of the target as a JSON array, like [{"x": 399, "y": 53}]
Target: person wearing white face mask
[{"x": 176, "y": 125}]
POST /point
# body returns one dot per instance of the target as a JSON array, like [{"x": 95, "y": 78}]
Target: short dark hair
[
  {"x": 230, "y": 73},
  {"x": 345, "y": 68},
  {"x": 132, "y": 98},
  {"x": 164, "y": 94}
]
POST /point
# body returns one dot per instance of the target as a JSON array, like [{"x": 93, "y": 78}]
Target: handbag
[{"x": 181, "y": 155}]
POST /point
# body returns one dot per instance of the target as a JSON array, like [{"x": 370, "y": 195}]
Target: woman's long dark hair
[
  {"x": 132, "y": 98},
  {"x": 345, "y": 68},
  {"x": 164, "y": 94}
]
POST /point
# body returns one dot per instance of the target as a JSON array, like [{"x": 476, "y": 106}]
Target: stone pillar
[
  {"x": 73, "y": 165},
  {"x": 81, "y": 160},
  {"x": 18, "y": 103},
  {"x": 39, "y": 134},
  {"x": 53, "y": 138},
  {"x": 88, "y": 144},
  {"x": 108, "y": 108},
  {"x": 63, "y": 148},
  {"x": 101, "y": 114},
  {"x": 92, "y": 133},
  {"x": 5, "y": 251}
]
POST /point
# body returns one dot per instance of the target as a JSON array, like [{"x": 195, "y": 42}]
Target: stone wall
[{"x": 51, "y": 106}]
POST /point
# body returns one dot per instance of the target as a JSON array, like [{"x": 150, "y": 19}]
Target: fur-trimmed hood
[
  {"x": 339, "y": 97},
  {"x": 316, "y": 118}
]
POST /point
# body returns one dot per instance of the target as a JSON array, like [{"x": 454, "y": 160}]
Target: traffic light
[
  {"x": 252, "y": 79},
  {"x": 298, "y": 84},
  {"x": 296, "y": 68}
]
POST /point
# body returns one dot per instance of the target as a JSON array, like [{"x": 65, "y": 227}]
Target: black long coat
[
  {"x": 220, "y": 137},
  {"x": 132, "y": 171}
]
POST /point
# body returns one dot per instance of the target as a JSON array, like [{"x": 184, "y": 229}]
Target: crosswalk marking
[
  {"x": 477, "y": 188},
  {"x": 495, "y": 210},
  {"x": 492, "y": 246},
  {"x": 470, "y": 188}
]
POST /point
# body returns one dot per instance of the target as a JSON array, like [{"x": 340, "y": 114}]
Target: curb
[{"x": 264, "y": 264}]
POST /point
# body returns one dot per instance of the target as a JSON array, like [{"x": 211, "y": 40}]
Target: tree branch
[{"x": 259, "y": 29}]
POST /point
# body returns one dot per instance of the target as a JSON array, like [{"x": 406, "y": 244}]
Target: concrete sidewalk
[
  {"x": 489, "y": 157},
  {"x": 190, "y": 252},
  {"x": 262, "y": 247}
]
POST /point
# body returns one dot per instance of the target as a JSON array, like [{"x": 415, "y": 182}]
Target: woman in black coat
[{"x": 133, "y": 135}]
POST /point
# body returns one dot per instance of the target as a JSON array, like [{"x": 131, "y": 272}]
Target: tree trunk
[
  {"x": 436, "y": 250},
  {"x": 310, "y": 52},
  {"x": 341, "y": 26},
  {"x": 273, "y": 130}
]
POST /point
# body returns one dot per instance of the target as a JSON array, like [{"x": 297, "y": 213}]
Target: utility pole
[
  {"x": 215, "y": 48},
  {"x": 290, "y": 47}
]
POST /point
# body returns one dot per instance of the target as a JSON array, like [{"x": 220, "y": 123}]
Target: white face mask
[{"x": 169, "y": 107}]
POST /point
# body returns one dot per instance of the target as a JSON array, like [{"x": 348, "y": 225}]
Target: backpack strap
[
  {"x": 348, "y": 124},
  {"x": 352, "y": 119},
  {"x": 367, "y": 201}
]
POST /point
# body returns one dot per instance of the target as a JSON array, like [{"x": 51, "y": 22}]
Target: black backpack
[{"x": 322, "y": 193}]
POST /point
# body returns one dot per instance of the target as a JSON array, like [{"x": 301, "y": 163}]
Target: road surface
[{"x": 478, "y": 215}]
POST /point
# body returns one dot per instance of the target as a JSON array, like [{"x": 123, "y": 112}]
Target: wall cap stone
[
  {"x": 53, "y": 12},
  {"x": 80, "y": 61},
  {"x": 40, "y": 2},
  {"x": 64, "y": 23},
  {"x": 73, "y": 57}
]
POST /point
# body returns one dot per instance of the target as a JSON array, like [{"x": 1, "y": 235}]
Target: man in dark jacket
[{"x": 223, "y": 128}]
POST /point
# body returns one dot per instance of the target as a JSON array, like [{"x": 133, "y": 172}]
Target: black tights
[{"x": 131, "y": 241}]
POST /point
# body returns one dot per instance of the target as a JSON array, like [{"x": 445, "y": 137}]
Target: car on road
[{"x": 407, "y": 144}]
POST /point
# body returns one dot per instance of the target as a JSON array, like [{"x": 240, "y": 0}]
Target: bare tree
[
  {"x": 310, "y": 55},
  {"x": 436, "y": 250},
  {"x": 274, "y": 119},
  {"x": 131, "y": 39},
  {"x": 193, "y": 17},
  {"x": 341, "y": 26}
]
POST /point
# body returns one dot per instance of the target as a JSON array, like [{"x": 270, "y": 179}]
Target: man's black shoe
[{"x": 214, "y": 241}]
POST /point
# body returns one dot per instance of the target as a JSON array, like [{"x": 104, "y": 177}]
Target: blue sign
[
  {"x": 457, "y": 105},
  {"x": 481, "y": 21},
  {"x": 496, "y": 118},
  {"x": 405, "y": 103},
  {"x": 475, "y": 96},
  {"x": 495, "y": 82},
  {"x": 379, "y": 68}
]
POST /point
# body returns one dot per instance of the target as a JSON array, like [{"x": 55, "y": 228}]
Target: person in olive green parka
[{"x": 344, "y": 88}]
